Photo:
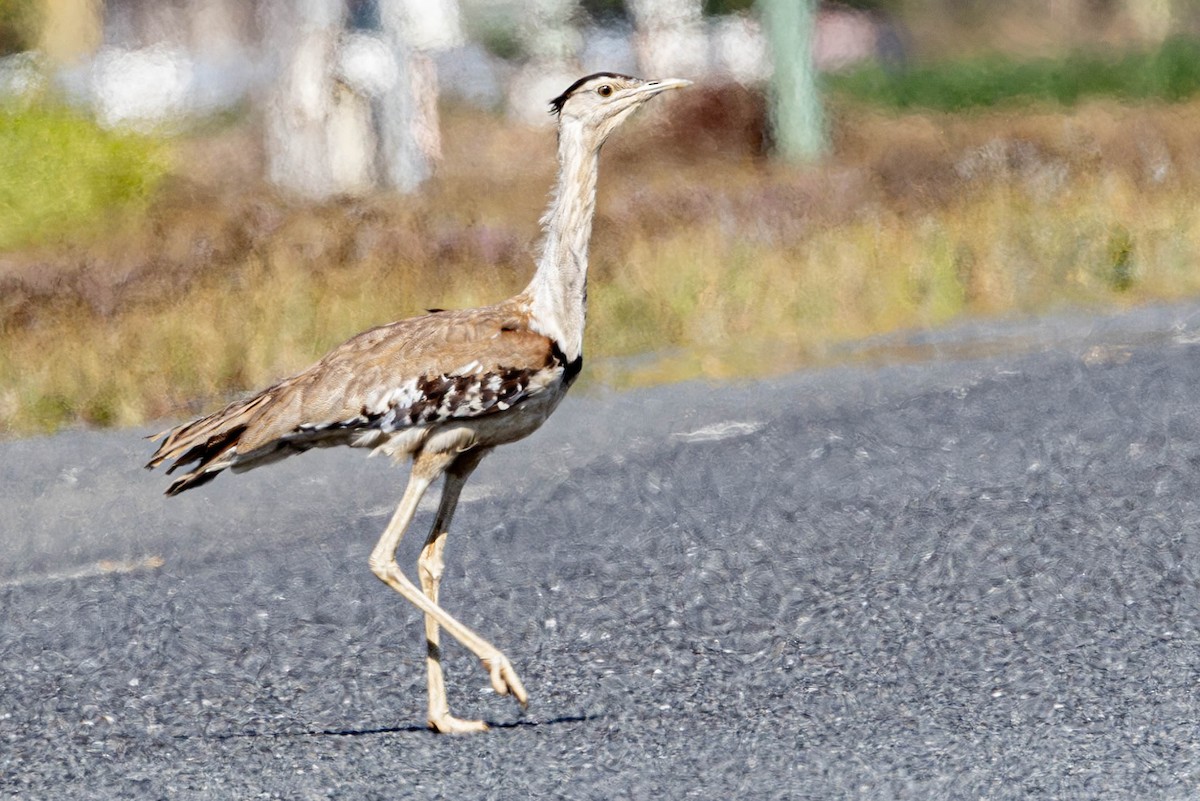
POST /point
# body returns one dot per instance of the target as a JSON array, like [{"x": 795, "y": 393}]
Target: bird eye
[{"x": 604, "y": 91}]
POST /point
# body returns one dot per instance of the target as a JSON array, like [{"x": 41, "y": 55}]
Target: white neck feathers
[{"x": 558, "y": 292}]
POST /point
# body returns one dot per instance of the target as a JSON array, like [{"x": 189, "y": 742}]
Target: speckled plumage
[{"x": 444, "y": 388}]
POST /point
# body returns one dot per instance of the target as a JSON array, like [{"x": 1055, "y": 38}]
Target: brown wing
[{"x": 443, "y": 366}]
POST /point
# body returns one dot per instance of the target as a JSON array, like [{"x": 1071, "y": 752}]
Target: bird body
[
  {"x": 439, "y": 380},
  {"x": 444, "y": 388}
]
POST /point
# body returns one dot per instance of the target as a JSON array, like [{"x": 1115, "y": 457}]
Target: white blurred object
[
  {"x": 366, "y": 64},
  {"x": 739, "y": 48},
  {"x": 219, "y": 41},
  {"x": 431, "y": 25},
  {"x": 354, "y": 110},
  {"x": 533, "y": 87},
  {"x": 609, "y": 48},
  {"x": 671, "y": 38},
  {"x": 319, "y": 140},
  {"x": 140, "y": 88},
  {"x": 548, "y": 32},
  {"x": 674, "y": 51},
  {"x": 474, "y": 74},
  {"x": 21, "y": 74},
  {"x": 406, "y": 117},
  {"x": 1152, "y": 18},
  {"x": 351, "y": 143},
  {"x": 551, "y": 42}
]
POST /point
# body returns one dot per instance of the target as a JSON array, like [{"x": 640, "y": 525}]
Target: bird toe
[
  {"x": 448, "y": 724},
  {"x": 504, "y": 678}
]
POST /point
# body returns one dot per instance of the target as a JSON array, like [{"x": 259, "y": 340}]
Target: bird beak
[
  {"x": 640, "y": 94},
  {"x": 651, "y": 88}
]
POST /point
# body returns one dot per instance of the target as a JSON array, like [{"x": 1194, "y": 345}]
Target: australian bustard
[{"x": 445, "y": 388}]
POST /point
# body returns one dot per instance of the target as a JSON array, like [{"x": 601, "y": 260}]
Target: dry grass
[{"x": 708, "y": 261}]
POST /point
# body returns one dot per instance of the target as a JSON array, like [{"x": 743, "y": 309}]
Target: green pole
[{"x": 797, "y": 118}]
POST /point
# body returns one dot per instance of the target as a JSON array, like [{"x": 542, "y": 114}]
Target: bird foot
[
  {"x": 448, "y": 724},
  {"x": 504, "y": 678}
]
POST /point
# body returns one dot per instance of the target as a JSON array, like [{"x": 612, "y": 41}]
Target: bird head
[{"x": 599, "y": 103}]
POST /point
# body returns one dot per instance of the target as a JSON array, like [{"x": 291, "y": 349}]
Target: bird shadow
[{"x": 366, "y": 732}]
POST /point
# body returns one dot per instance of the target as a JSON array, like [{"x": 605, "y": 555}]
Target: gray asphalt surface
[{"x": 970, "y": 575}]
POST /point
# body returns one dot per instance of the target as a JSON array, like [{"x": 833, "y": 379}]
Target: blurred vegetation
[
  {"x": 60, "y": 172},
  {"x": 1170, "y": 72},
  {"x": 19, "y": 20},
  {"x": 734, "y": 6},
  {"x": 143, "y": 279},
  {"x": 706, "y": 261}
]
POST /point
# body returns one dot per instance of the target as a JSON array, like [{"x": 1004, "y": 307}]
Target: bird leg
[
  {"x": 429, "y": 569},
  {"x": 426, "y": 468}
]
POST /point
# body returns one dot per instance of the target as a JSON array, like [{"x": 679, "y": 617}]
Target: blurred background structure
[{"x": 209, "y": 192}]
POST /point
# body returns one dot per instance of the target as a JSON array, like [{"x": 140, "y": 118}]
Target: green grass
[
  {"x": 60, "y": 173},
  {"x": 1171, "y": 73}
]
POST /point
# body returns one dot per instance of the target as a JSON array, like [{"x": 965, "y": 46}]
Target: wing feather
[{"x": 416, "y": 372}]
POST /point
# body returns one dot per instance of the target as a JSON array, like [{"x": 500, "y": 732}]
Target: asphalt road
[{"x": 963, "y": 567}]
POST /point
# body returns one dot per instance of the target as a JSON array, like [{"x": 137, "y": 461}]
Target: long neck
[{"x": 558, "y": 292}]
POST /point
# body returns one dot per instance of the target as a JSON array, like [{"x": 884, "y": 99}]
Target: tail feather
[
  {"x": 206, "y": 450},
  {"x": 192, "y": 479},
  {"x": 211, "y": 441}
]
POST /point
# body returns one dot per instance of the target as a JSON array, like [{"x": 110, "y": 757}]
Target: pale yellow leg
[
  {"x": 426, "y": 468},
  {"x": 429, "y": 568}
]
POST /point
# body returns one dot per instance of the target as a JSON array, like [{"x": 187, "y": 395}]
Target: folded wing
[{"x": 412, "y": 375}]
